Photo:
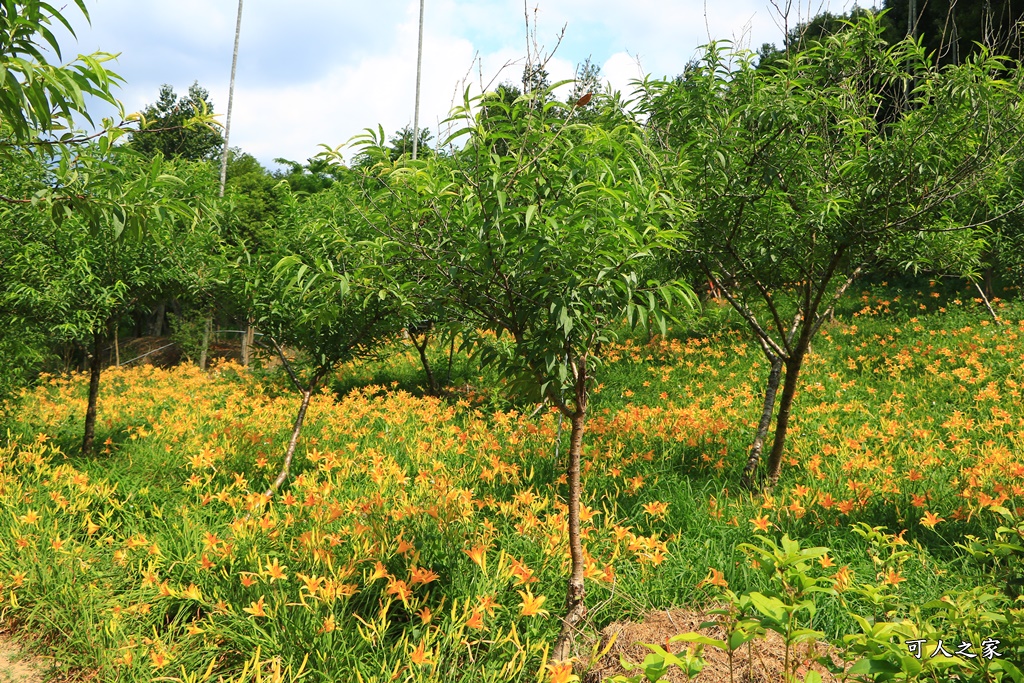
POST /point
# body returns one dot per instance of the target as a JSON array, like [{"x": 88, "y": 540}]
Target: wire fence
[{"x": 114, "y": 348}]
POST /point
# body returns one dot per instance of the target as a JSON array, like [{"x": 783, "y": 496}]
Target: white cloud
[
  {"x": 620, "y": 69},
  {"x": 319, "y": 71}
]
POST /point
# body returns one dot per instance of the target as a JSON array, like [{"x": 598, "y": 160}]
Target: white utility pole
[
  {"x": 231, "y": 99},
  {"x": 419, "y": 67}
]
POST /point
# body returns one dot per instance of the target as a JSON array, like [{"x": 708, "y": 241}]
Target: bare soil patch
[
  {"x": 762, "y": 662},
  {"x": 18, "y": 667}
]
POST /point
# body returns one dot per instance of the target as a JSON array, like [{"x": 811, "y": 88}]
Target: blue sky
[{"x": 314, "y": 72}]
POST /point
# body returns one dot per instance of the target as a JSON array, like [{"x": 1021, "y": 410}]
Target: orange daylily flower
[
  {"x": 761, "y": 523},
  {"x": 714, "y": 578},
  {"x": 476, "y": 620},
  {"x": 843, "y": 578},
  {"x": 256, "y": 608},
  {"x": 274, "y": 570},
  {"x": 488, "y": 604},
  {"x": 656, "y": 508},
  {"x": 419, "y": 655},
  {"x": 418, "y": 575},
  {"x": 479, "y": 555},
  {"x": 893, "y": 578},
  {"x": 930, "y": 519},
  {"x": 379, "y": 572},
  {"x": 399, "y": 588},
  {"x": 311, "y": 583},
  {"x": 532, "y": 604},
  {"x": 561, "y": 672}
]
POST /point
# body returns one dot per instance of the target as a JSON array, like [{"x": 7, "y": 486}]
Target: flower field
[{"x": 423, "y": 539}]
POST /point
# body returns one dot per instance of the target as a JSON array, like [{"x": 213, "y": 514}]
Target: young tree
[
  {"x": 544, "y": 233},
  {"x": 798, "y": 186},
  {"x": 320, "y": 289},
  {"x": 56, "y": 174},
  {"x": 76, "y": 272}
]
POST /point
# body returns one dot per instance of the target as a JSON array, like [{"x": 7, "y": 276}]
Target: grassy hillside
[{"x": 423, "y": 538}]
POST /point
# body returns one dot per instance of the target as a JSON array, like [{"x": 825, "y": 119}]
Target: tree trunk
[
  {"x": 451, "y": 355},
  {"x": 94, "y": 392},
  {"x": 771, "y": 390},
  {"x": 782, "y": 421},
  {"x": 245, "y": 345},
  {"x": 117, "y": 347},
  {"x": 422, "y": 349},
  {"x": 157, "y": 326},
  {"x": 296, "y": 429},
  {"x": 988, "y": 304},
  {"x": 207, "y": 328},
  {"x": 575, "y": 607}
]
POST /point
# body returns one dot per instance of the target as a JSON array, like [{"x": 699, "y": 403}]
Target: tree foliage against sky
[{"x": 169, "y": 126}]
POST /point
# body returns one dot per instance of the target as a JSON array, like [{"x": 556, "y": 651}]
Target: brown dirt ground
[
  {"x": 768, "y": 653},
  {"x": 16, "y": 666}
]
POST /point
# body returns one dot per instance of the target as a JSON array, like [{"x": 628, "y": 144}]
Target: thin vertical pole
[
  {"x": 911, "y": 31},
  {"x": 231, "y": 98},
  {"x": 419, "y": 67}
]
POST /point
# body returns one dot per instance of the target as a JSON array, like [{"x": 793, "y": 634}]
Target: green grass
[{"x": 900, "y": 400}]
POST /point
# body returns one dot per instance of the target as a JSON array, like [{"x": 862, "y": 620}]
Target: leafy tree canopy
[
  {"x": 168, "y": 126},
  {"x": 315, "y": 175}
]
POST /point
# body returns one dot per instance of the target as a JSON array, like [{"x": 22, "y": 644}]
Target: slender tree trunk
[
  {"x": 157, "y": 326},
  {"x": 117, "y": 347},
  {"x": 289, "y": 454},
  {"x": 782, "y": 421},
  {"x": 207, "y": 329},
  {"x": 245, "y": 345},
  {"x": 575, "y": 607},
  {"x": 451, "y": 355},
  {"x": 770, "y": 392},
  {"x": 94, "y": 392},
  {"x": 988, "y": 304},
  {"x": 422, "y": 349}
]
